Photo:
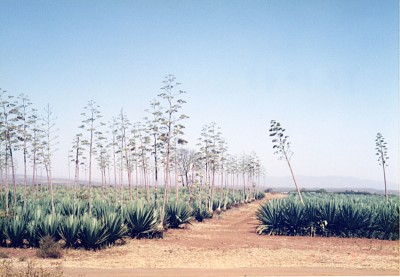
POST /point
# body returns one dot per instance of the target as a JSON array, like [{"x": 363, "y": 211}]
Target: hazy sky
[{"x": 327, "y": 70}]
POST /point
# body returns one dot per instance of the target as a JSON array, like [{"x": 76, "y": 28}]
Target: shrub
[
  {"x": 4, "y": 255},
  {"x": 48, "y": 248}
]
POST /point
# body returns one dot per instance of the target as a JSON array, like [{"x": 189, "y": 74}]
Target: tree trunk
[
  {"x": 176, "y": 176},
  {"x": 294, "y": 180},
  {"x": 384, "y": 180},
  {"x": 76, "y": 183},
  {"x": 155, "y": 172},
  {"x": 13, "y": 176},
  {"x": 6, "y": 180},
  {"x": 167, "y": 168},
  {"x": 25, "y": 177}
]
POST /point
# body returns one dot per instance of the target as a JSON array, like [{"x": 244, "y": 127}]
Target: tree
[
  {"x": 142, "y": 149},
  {"x": 154, "y": 127},
  {"x": 25, "y": 116},
  {"x": 168, "y": 121},
  {"x": 282, "y": 147},
  {"x": 381, "y": 152},
  {"x": 75, "y": 157},
  {"x": 123, "y": 126},
  {"x": 37, "y": 139},
  {"x": 185, "y": 159},
  {"x": 92, "y": 115},
  {"x": 9, "y": 117},
  {"x": 113, "y": 127},
  {"x": 103, "y": 157},
  {"x": 212, "y": 149},
  {"x": 48, "y": 150},
  {"x": 205, "y": 155}
]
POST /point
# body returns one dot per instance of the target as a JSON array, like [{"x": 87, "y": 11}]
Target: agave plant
[
  {"x": 77, "y": 208},
  {"x": 259, "y": 195},
  {"x": 15, "y": 231},
  {"x": 34, "y": 216},
  {"x": 271, "y": 218},
  {"x": 295, "y": 217},
  {"x": 100, "y": 209},
  {"x": 385, "y": 222},
  {"x": 141, "y": 220},
  {"x": 49, "y": 226},
  {"x": 178, "y": 214},
  {"x": 353, "y": 220},
  {"x": 69, "y": 230},
  {"x": 32, "y": 234},
  {"x": 331, "y": 215},
  {"x": 200, "y": 213},
  {"x": 116, "y": 227},
  {"x": 328, "y": 213},
  {"x": 94, "y": 233}
]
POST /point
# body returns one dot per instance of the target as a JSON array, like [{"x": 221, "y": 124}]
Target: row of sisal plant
[
  {"x": 331, "y": 215},
  {"x": 74, "y": 224}
]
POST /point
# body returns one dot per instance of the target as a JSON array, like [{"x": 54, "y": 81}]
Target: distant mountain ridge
[{"x": 332, "y": 182}]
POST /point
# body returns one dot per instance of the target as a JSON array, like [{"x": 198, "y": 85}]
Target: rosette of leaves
[
  {"x": 69, "y": 230},
  {"x": 94, "y": 233},
  {"x": 15, "y": 231},
  {"x": 178, "y": 214},
  {"x": 141, "y": 220},
  {"x": 48, "y": 226},
  {"x": 200, "y": 213},
  {"x": 271, "y": 219},
  {"x": 115, "y": 226}
]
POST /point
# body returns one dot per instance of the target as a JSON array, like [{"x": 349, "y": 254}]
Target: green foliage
[
  {"x": 385, "y": 222},
  {"x": 331, "y": 215},
  {"x": 68, "y": 207},
  {"x": 141, "y": 220},
  {"x": 69, "y": 230},
  {"x": 94, "y": 233},
  {"x": 352, "y": 220},
  {"x": 178, "y": 214},
  {"x": 49, "y": 226},
  {"x": 201, "y": 213},
  {"x": 15, "y": 231},
  {"x": 115, "y": 226},
  {"x": 107, "y": 223},
  {"x": 32, "y": 234},
  {"x": 259, "y": 195},
  {"x": 271, "y": 219}
]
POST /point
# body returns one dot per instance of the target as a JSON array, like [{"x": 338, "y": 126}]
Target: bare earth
[{"x": 229, "y": 246}]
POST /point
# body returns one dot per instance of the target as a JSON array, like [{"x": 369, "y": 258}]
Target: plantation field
[{"x": 228, "y": 246}]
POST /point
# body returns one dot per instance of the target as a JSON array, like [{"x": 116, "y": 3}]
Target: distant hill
[{"x": 333, "y": 183}]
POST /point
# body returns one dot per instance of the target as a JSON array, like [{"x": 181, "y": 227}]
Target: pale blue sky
[{"x": 327, "y": 70}]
